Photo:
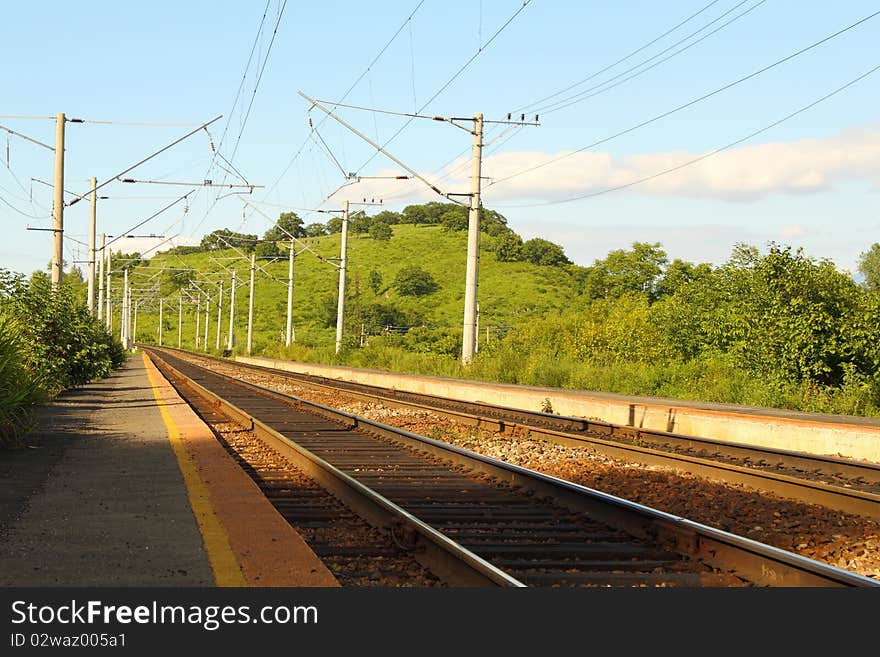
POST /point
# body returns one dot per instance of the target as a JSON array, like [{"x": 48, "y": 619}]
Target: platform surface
[{"x": 122, "y": 484}]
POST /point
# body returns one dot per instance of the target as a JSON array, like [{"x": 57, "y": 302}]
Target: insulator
[{"x": 522, "y": 117}]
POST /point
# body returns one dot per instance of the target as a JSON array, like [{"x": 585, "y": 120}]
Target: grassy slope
[{"x": 508, "y": 292}]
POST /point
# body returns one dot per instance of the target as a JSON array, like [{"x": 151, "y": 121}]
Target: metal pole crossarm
[
  {"x": 153, "y": 216},
  {"x": 206, "y": 183},
  {"x": 146, "y": 159},
  {"x": 375, "y": 145},
  {"x": 25, "y": 137}
]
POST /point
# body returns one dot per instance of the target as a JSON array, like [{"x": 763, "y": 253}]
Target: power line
[
  {"x": 250, "y": 105},
  {"x": 706, "y": 155},
  {"x": 345, "y": 95},
  {"x": 450, "y": 80},
  {"x": 146, "y": 159},
  {"x": 689, "y": 103},
  {"x": 25, "y": 137},
  {"x": 153, "y": 216},
  {"x": 619, "y": 61},
  {"x": 585, "y": 94},
  {"x": 259, "y": 78}
]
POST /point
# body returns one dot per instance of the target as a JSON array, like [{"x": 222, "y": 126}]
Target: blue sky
[{"x": 810, "y": 182}]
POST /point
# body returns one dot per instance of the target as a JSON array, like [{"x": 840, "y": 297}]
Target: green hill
[{"x": 509, "y": 292}]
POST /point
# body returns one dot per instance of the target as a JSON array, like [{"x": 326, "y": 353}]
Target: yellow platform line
[{"x": 227, "y": 571}]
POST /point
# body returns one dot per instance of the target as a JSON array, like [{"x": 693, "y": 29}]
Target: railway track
[
  {"x": 473, "y": 520},
  {"x": 841, "y": 484}
]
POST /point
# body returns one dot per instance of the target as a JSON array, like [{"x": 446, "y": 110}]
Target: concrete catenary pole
[
  {"x": 161, "y": 321},
  {"x": 123, "y": 325},
  {"x": 92, "y": 228},
  {"x": 340, "y": 306},
  {"x": 180, "y": 322},
  {"x": 207, "y": 320},
  {"x": 469, "y": 334},
  {"x": 58, "y": 205},
  {"x": 109, "y": 316},
  {"x": 198, "y": 318},
  {"x": 288, "y": 334},
  {"x": 101, "y": 280},
  {"x": 134, "y": 330},
  {"x": 219, "y": 315},
  {"x": 250, "y": 335},
  {"x": 231, "y": 341}
]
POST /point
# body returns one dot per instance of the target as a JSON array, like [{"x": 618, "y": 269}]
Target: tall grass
[
  {"x": 711, "y": 378},
  {"x": 20, "y": 390}
]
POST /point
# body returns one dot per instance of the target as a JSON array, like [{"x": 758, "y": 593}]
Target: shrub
[{"x": 414, "y": 281}]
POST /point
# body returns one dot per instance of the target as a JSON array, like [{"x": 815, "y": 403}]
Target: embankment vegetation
[
  {"x": 48, "y": 342},
  {"x": 768, "y": 328}
]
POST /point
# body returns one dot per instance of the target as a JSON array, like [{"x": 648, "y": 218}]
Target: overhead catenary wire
[
  {"x": 690, "y": 103},
  {"x": 705, "y": 156},
  {"x": 150, "y": 218},
  {"x": 455, "y": 76},
  {"x": 375, "y": 59},
  {"x": 146, "y": 159},
  {"x": 608, "y": 67},
  {"x": 606, "y": 86}
]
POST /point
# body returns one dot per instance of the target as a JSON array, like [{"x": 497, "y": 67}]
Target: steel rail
[
  {"x": 577, "y": 432},
  {"x": 433, "y": 549},
  {"x": 756, "y": 562}
]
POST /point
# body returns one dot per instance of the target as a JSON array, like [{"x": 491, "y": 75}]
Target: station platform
[{"x": 122, "y": 484}]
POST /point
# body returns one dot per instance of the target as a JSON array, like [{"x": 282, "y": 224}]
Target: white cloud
[
  {"x": 793, "y": 231},
  {"x": 741, "y": 174}
]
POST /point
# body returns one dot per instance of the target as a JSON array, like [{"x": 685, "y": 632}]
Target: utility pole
[
  {"x": 161, "y": 320},
  {"x": 207, "y": 321},
  {"x": 134, "y": 331},
  {"x": 109, "y": 302},
  {"x": 180, "y": 322},
  {"x": 469, "y": 333},
  {"x": 250, "y": 337},
  {"x": 231, "y": 340},
  {"x": 219, "y": 314},
  {"x": 469, "y": 339},
  {"x": 340, "y": 307},
  {"x": 123, "y": 325},
  {"x": 288, "y": 335},
  {"x": 92, "y": 225},
  {"x": 101, "y": 281},
  {"x": 198, "y": 318},
  {"x": 58, "y": 206}
]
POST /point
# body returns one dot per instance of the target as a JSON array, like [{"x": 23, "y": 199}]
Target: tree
[
  {"x": 388, "y": 217},
  {"x": 315, "y": 230},
  {"x": 493, "y": 223},
  {"x": 180, "y": 278},
  {"x": 380, "y": 231},
  {"x": 375, "y": 281},
  {"x": 508, "y": 248},
  {"x": 456, "y": 218},
  {"x": 334, "y": 225},
  {"x": 869, "y": 267},
  {"x": 414, "y": 281},
  {"x": 288, "y": 224},
  {"x": 623, "y": 272},
  {"x": 679, "y": 273},
  {"x": 543, "y": 252},
  {"x": 265, "y": 250},
  {"x": 227, "y": 239}
]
